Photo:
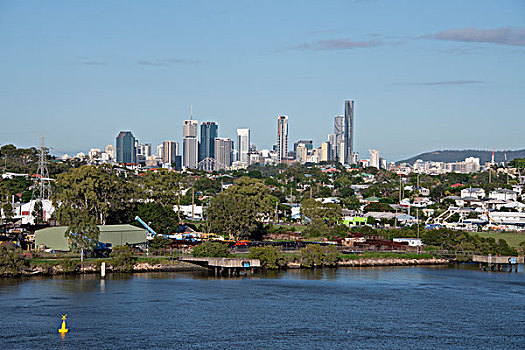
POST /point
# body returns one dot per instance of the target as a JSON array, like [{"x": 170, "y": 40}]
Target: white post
[{"x": 103, "y": 270}]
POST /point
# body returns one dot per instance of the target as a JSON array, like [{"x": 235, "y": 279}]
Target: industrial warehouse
[{"x": 53, "y": 238}]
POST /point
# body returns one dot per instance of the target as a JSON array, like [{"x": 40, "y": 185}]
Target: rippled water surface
[{"x": 346, "y": 308}]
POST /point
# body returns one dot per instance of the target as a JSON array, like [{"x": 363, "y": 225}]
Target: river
[{"x": 345, "y": 308}]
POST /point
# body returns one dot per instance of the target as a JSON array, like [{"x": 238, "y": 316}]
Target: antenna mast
[{"x": 42, "y": 184}]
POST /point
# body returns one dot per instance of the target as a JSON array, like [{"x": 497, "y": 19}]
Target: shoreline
[{"x": 179, "y": 266}]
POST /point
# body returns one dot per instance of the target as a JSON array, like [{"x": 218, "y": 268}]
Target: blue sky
[{"x": 424, "y": 75}]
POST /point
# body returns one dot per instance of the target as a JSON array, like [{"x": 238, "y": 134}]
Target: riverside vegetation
[{"x": 91, "y": 195}]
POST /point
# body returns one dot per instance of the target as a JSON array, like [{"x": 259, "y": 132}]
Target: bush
[
  {"x": 212, "y": 250},
  {"x": 271, "y": 257},
  {"x": 315, "y": 255},
  {"x": 122, "y": 259},
  {"x": 159, "y": 242},
  {"x": 11, "y": 260},
  {"x": 69, "y": 265}
]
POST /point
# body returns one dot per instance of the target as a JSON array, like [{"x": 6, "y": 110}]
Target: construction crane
[
  {"x": 438, "y": 221},
  {"x": 491, "y": 219},
  {"x": 178, "y": 237},
  {"x": 151, "y": 232}
]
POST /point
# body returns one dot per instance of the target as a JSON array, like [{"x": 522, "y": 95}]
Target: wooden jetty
[
  {"x": 497, "y": 263},
  {"x": 225, "y": 266}
]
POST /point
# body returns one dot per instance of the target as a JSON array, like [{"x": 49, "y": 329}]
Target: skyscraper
[
  {"x": 339, "y": 131},
  {"x": 332, "y": 139},
  {"x": 126, "y": 152},
  {"x": 308, "y": 143},
  {"x": 189, "y": 128},
  {"x": 325, "y": 151},
  {"x": 243, "y": 145},
  {"x": 191, "y": 152},
  {"x": 374, "y": 159},
  {"x": 147, "y": 150},
  {"x": 282, "y": 137},
  {"x": 110, "y": 151},
  {"x": 170, "y": 152},
  {"x": 349, "y": 132},
  {"x": 223, "y": 148},
  {"x": 209, "y": 131},
  {"x": 190, "y": 144},
  {"x": 301, "y": 153}
]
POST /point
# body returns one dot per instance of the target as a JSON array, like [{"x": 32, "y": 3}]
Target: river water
[{"x": 345, "y": 308}]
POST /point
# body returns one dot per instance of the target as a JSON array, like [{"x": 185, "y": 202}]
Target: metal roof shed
[{"x": 53, "y": 237}]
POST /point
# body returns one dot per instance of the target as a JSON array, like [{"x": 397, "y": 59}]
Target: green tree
[
  {"x": 11, "y": 260},
  {"x": 211, "y": 249},
  {"x": 207, "y": 185},
  {"x": 517, "y": 163},
  {"x": 82, "y": 232},
  {"x": 314, "y": 255},
  {"x": 271, "y": 257},
  {"x": 38, "y": 212},
  {"x": 122, "y": 259},
  {"x": 239, "y": 210},
  {"x": 329, "y": 212},
  {"x": 161, "y": 187},
  {"x": 159, "y": 242},
  {"x": 7, "y": 209},
  {"x": 162, "y": 219},
  {"x": 93, "y": 189}
]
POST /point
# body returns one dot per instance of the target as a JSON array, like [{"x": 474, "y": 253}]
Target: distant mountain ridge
[{"x": 450, "y": 156}]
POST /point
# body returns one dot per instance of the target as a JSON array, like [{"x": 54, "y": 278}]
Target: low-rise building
[
  {"x": 473, "y": 192},
  {"x": 504, "y": 194}
]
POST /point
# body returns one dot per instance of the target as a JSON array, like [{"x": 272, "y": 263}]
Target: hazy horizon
[{"x": 425, "y": 76}]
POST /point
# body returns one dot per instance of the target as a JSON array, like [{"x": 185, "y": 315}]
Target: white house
[
  {"x": 412, "y": 242},
  {"x": 473, "y": 192},
  {"x": 24, "y": 211},
  {"x": 186, "y": 211},
  {"x": 504, "y": 194}
]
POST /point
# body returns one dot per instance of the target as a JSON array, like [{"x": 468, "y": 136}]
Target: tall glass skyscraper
[
  {"x": 209, "y": 131},
  {"x": 282, "y": 137},
  {"x": 126, "y": 152},
  {"x": 349, "y": 132}
]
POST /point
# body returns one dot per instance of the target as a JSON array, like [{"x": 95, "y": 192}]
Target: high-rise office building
[
  {"x": 170, "y": 152},
  {"x": 308, "y": 143},
  {"x": 339, "y": 131},
  {"x": 349, "y": 132},
  {"x": 147, "y": 150},
  {"x": 243, "y": 145},
  {"x": 190, "y": 148},
  {"x": 332, "y": 139},
  {"x": 189, "y": 128},
  {"x": 209, "y": 131},
  {"x": 110, "y": 151},
  {"x": 282, "y": 138},
  {"x": 190, "y": 143},
  {"x": 223, "y": 149},
  {"x": 125, "y": 145},
  {"x": 301, "y": 153},
  {"x": 374, "y": 159},
  {"x": 160, "y": 151},
  {"x": 325, "y": 151}
]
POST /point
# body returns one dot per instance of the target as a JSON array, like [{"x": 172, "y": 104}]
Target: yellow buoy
[{"x": 63, "y": 330}]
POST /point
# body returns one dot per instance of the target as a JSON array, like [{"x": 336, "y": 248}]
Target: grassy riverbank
[{"x": 72, "y": 265}]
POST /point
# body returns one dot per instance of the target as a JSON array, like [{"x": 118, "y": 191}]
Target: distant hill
[{"x": 458, "y": 156}]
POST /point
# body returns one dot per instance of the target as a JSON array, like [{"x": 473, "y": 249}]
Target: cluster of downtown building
[{"x": 208, "y": 151}]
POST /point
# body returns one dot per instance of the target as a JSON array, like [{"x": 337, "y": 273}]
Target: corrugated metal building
[{"x": 53, "y": 237}]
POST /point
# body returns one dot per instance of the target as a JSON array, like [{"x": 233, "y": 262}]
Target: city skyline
[{"x": 422, "y": 83}]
